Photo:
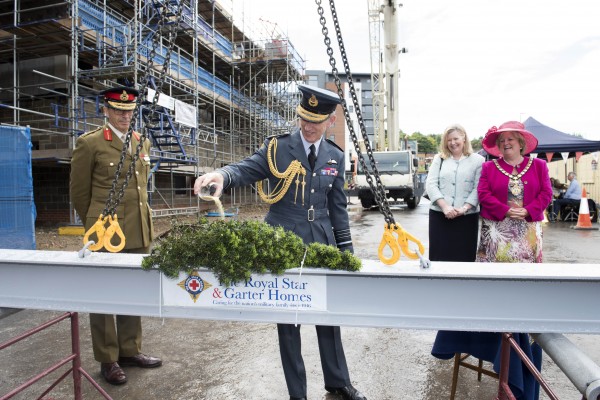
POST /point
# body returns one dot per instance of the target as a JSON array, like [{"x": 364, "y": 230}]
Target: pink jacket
[{"x": 493, "y": 190}]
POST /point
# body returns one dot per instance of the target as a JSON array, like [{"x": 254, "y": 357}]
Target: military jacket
[
  {"x": 322, "y": 217},
  {"x": 95, "y": 159}
]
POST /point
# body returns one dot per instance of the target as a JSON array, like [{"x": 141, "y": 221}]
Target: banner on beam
[{"x": 202, "y": 289}]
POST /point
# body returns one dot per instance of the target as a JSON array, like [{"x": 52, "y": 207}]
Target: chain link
[
  {"x": 114, "y": 197},
  {"x": 377, "y": 188}
]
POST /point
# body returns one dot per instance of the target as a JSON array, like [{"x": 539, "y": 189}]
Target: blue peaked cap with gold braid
[{"x": 317, "y": 104}]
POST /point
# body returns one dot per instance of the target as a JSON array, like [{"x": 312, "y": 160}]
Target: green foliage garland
[{"x": 234, "y": 250}]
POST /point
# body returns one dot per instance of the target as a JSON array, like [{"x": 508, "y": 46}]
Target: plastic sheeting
[{"x": 17, "y": 209}]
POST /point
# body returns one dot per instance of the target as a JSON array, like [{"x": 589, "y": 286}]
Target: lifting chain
[
  {"x": 108, "y": 215},
  {"x": 377, "y": 188},
  {"x": 391, "y": 227}
]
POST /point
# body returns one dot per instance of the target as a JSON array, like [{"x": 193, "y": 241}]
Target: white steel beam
[{"x": 561, "y": 298}]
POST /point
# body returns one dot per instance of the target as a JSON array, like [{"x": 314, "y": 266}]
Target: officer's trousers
[{"x": 333, "y": 360}]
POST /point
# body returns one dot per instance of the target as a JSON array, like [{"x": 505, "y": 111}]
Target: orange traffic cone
[{"x": 584, "y": 221}]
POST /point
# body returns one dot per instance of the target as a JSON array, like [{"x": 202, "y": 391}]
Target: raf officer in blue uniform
[{"x": 315, "y": 211}]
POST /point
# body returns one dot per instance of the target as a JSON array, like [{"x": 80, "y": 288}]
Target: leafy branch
[{"x": 234, "y": 250}]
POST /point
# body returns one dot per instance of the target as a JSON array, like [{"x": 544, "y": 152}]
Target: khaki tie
[{"x": 130, "y": 143}]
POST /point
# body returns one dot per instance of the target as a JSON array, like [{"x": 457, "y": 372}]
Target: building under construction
[{"x": 223, "y": 91}]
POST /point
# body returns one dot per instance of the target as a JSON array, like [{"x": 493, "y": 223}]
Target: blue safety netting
[{"x": 17, "y": 209}]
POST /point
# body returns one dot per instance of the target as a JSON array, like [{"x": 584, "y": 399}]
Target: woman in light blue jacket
[{"x": 452, "y": 189}]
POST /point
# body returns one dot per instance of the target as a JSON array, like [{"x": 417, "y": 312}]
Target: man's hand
[{"x": 205, "y": 183}]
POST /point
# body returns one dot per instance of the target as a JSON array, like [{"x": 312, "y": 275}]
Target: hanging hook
[
  {"x": 113, "y": 229},
  {"x": 388, "y": 240},
  {"x": 100, "y": 230},
  {"x": 403, "y": 239}
]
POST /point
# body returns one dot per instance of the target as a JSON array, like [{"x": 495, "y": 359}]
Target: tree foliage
[
  {"x": 427, "y": 143},
  {"x": 476, "y": 144},
  {"x": 431, "y": 143}
]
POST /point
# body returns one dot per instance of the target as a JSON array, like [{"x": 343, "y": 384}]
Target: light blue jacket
[
  {"x": 573, "y": 191},
  {"x": 456, "y": 181}
]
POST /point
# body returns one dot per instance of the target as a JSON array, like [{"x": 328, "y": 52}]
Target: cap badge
[
  {"x": 124, "y": 96},
  {"x": 313, "y": 102}
]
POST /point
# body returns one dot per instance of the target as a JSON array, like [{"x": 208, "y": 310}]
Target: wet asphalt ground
[{"x": 214, "y": 360}]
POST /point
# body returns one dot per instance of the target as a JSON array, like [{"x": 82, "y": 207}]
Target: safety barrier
[{"x": 75, "y": 358}]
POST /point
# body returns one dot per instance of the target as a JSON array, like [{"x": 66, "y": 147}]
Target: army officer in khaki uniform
[
  {"x": 315, "y": 211},
  {"x": 95, "y": 159}
]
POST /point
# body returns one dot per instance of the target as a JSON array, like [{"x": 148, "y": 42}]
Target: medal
[{"x": 514, "y": 187}]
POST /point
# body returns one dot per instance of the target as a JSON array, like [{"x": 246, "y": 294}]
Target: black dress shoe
[
  {"x": 347, "y": 392},
  {"x": 297, "y": 398},
  {"x": 113, "y": 373},
  {"x": 140, "y": 360}
]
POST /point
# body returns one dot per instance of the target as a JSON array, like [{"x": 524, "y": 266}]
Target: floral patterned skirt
[{"x": 510, "y": 241}]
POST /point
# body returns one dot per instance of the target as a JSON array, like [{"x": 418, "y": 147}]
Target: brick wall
[{"x": 339, "y": 128}]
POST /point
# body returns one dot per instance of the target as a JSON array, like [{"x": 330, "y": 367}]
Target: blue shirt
[{"x": 574, "y": 190}]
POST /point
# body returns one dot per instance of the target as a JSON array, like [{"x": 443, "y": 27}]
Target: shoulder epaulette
[
  {"x": 90, "y": 132},
  {"x": 279, "y": 135},
  {"x": 334, "y": 144}
]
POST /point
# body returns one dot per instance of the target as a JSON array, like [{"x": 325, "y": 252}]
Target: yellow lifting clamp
[
  {"x": 113, "y": 229},
  {"x": 105, "y": 235},
  {"x": 99, "y": 229},
  {"x": 398, "y": 245}
]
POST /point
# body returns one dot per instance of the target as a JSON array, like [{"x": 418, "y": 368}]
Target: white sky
[{"x": 476, "y": 62}]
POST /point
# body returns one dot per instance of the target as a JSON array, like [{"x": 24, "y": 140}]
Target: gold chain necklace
[{"x": 513, "y": 183}]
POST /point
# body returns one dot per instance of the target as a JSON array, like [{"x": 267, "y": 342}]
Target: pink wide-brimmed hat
[{"x": 489, "y": 141}]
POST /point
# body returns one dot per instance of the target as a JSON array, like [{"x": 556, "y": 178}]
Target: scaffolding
[{"x": 56, "y": 57}]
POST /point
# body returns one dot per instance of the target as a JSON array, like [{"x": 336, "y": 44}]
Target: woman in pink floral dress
[{"x": 514, "y": 190}]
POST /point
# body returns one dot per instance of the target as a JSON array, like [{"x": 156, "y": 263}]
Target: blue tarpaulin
[
  {"x": 17, "y": 209},
  {"x": 552, "y": 141}
]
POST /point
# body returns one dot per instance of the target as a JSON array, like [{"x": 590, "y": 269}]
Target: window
[{"x": 390, "y": 162}]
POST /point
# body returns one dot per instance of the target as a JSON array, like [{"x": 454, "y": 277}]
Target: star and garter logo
[{"x": 194, "y": 285}]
